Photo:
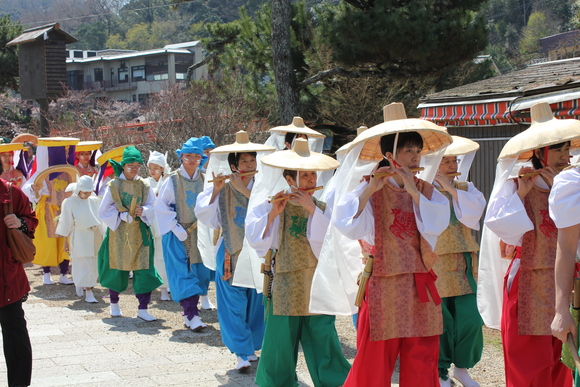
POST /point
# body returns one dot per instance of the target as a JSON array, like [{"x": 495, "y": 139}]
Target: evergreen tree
[
  {"x": 404, "y": 38},
  {"x": 9, "y": 55}
]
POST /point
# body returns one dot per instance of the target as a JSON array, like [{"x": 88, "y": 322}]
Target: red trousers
[
  {"x": 530, "y": 361},
  {"x": 375, "y": 360}
]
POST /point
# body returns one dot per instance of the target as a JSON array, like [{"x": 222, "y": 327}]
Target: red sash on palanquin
[
  {"x": 403, "y": 300},
  {"x": 538, "y": 255}
]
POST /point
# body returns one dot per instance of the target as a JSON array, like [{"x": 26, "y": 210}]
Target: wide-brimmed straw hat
[
  {"x": 11, "y": 147},
  {"x": 114, "y": 154},
  {"x": 460, "y": 146},
  {"x": 300, "y": 158},
  {"x": 85, "y": 146},
  {"x": 544, "y": 131},
  {"x": 297, "y": 126},
  {"x": 57, "y": 141},
  {"x": 348, "y": 146},
  {"x": 72, "y": 171},
  {"x": 26, "y": 137},
  {"x": 434, "y": 137},
  {"x": 243, "y": 144}
]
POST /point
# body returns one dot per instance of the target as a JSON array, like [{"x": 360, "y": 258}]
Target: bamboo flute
[
  {"x": 287, "y": 195},
  {"x": 383, "y": 174},
  {"x": 228, "y": 176}
]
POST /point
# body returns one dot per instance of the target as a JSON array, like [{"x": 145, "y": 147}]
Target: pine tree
[{"x": 8, "y": 55}]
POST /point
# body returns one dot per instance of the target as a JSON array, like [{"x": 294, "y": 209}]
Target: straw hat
[
  {"x": 460, "y": 146},
  {"x": 24, "y": 137},
  {"x": 114, "y": 154},
  {"x": 297, "y": 126},
  {"x": 300, "y": 158},
  {"x": 11, "y": 147},
  {"x": 243, "y": 144},
  {"x": 434, "y": 137},
  {"x": 64, "y": 168},
  {"x": 57, "y": 141},
  {"x": 84, "y": 146},
  {"x": 544, "y": 131},
  {"x": 346, "y": 147}
]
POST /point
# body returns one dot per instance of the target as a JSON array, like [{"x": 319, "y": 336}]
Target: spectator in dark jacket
[{"x": 14, "y": 288}]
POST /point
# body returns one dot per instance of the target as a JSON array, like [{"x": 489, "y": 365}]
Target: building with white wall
[{"x": 133, "y": 75}]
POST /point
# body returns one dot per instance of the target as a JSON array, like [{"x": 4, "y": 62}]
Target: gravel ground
[{"x": 489, "y": 372}]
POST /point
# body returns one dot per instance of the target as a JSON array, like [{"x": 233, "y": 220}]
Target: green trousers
[
  {"x": 462, "y": 340},
  {"x": 144, "y": 281},
  {"x": 277, "y": 367}
]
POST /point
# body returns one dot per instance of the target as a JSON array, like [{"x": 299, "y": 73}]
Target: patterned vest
[
  {"x": 295, "y": 262},
  {"x": 186, "y": 191},
  {"x": 129, "y": 244},
  {"x": 451, "y": 266},
  {"x": 233, "y": 208},
  {"x": 401, "y": 249},
  {"x": 400, "y": 252},
  {"x": 457, "y": 238},
  {"x": 538, "y": 256}
]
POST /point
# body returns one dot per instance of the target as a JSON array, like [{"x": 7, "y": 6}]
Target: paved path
[{"x": 79, "y": 344}]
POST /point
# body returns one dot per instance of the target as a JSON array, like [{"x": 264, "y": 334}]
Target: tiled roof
[
  {"x": 35, "y": 33},
  {"x": 535, "y": 79}
]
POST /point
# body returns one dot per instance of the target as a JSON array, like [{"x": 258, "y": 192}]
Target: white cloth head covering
[
  {"x": 83, "y": 184},
  {"x": 159, "y": 159},
  {"x": 492, "y": 267},
  {"x": 334, "y": 286},
  {"x": 465, "y": 150}
]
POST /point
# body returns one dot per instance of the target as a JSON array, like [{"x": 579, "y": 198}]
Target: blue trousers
[
  {"x": 240, "y": 313},
  {"x": 185, "y": 279}
]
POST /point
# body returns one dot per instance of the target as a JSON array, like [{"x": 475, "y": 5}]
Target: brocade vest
[
  {"x": 456, "y": 240},
  {"x": 294, "y": 263},
  {"x": 56, "y": 188},
  {"x": 233, "y": 208},
  {"x": 130, "y": 243},
  {"x": 395, "y": 309},
  {"x": 186, "y": 191},
  {"x": 536, "y": 293}
]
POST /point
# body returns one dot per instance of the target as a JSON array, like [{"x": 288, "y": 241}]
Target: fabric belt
[
  {"x": 425, "y": 283},
  {"x": 227, "y": 267}
]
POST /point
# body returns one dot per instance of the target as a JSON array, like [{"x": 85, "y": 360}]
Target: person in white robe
[
  {"x": 79, "y": 221},
  {"x": 158, "y": 171}
]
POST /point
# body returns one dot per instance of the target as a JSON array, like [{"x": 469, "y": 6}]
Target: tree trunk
[
  {"x": 44, "y": 125},
  {"x": 286, "y": 84}
]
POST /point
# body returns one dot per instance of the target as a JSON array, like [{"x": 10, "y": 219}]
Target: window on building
[
  {"x": 74, "y": 79},
  {"x": 91, "y": 54},
  {"x": 78, "y": 54},
  {"x": 123, "y": 75},
  {"x": 182, "y": 63},
  {"x": 143, "y": 99},
  {"x": 156, "y": 68},
  {"x": 137, "y": 73},
  {"x": 98, "y": 74}
]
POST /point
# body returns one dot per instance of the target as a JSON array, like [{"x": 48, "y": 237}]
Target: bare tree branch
[{"x": 346, "y": 73}]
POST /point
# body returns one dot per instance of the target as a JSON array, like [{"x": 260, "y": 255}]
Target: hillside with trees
[{"x": 335, "y": 62}]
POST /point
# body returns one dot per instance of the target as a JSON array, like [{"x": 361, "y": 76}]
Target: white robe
[
  {"x": 469, "y": 207},
  {"x": 157, "y": 244},
  {"x": 256, "y": 222},
  {"x": 564, "y": 199},
  {"x": 247, "y": 274},
  {"x": 80, "y": 222}
]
